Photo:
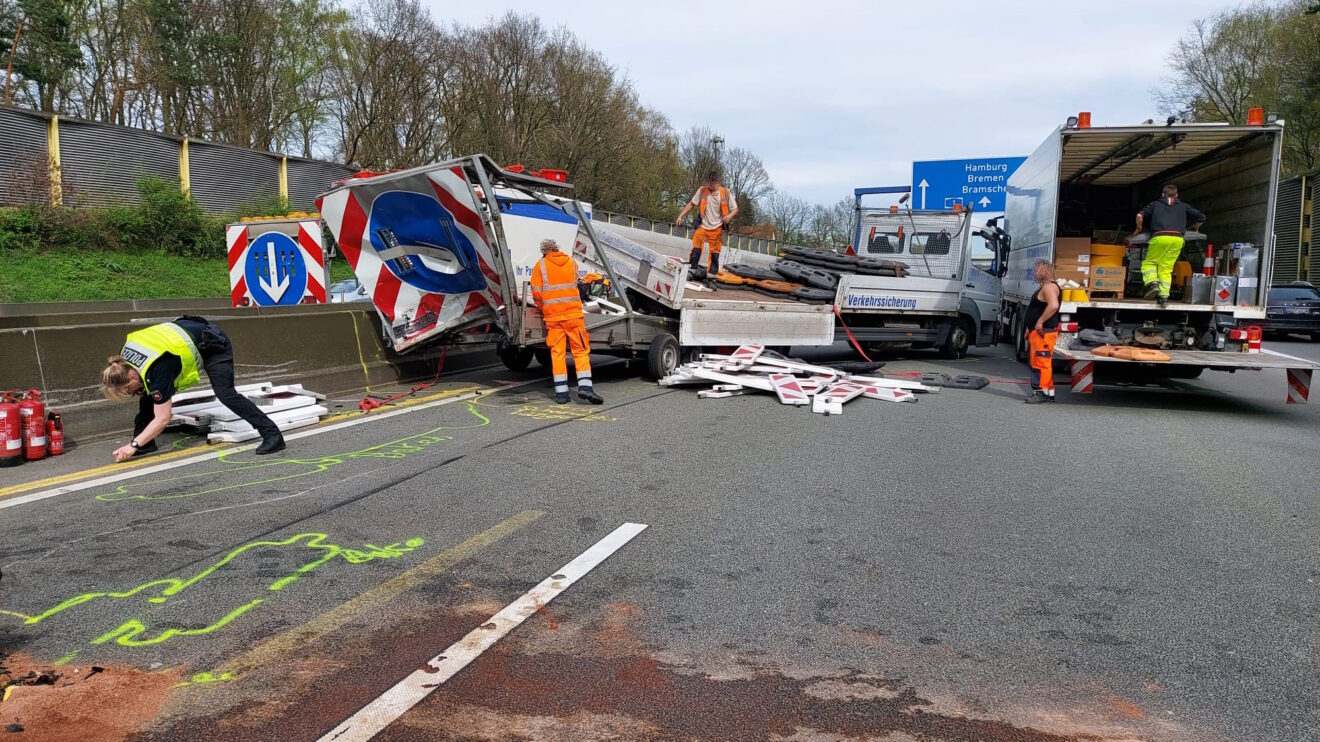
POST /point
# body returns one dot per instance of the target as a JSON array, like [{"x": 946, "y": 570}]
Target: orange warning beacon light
[{"x": 1256, "y": 117}]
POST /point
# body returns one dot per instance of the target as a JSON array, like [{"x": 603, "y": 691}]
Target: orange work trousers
[
  {"x": 1041, "y": 353},
  {"x": 561, "y": 335},
  {"x": 714, "y": 236}
]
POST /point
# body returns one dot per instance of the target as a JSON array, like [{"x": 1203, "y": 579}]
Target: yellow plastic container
[
  {"x": 1106, "y": 261},
  {"x": 1077, "y": 295},
  {"x": 1182, "y": 270},
  {"x": 1108, "y": 251}
]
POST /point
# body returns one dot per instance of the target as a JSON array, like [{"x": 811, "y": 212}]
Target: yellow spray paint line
[
  {"x": 74, "y": 476},
  {"x": 283, "y": 644},
  {"x": 446, "y": 397}
]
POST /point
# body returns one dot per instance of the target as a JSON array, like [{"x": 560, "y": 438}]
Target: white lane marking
[
  {"x": 372, "y": 417},
  {"x": 393, "y": 703},
  {"x": 1285, "y": 355}
]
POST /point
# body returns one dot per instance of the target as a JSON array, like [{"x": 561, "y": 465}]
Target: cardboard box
[
  {"x": 1077, "y": 249},
  {"x": 1068, "y": 266},
  {"x": 1109, "y": 272},
  {"x": 1108, "y": 284},
  {"x": 1080, "y": 278}
]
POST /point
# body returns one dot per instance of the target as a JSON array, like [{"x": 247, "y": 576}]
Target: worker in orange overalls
[
  {"x": 716, "y": 207},
  {"x": 555, "y": 289},
  {"x": 1041, "y": 324}
]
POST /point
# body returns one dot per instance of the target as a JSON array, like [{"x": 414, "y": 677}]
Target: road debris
[
  {"x": 290, "y": 406},
  {"x": 825, "y": 389}
]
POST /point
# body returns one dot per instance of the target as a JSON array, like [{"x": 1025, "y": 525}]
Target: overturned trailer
[{"x": 445, "y": 252}]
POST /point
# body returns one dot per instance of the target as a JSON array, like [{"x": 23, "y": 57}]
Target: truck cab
[{"x": 949, "y": 295}]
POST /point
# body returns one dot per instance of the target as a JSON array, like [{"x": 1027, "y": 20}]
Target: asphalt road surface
[{"x": 1138, "y": 564}]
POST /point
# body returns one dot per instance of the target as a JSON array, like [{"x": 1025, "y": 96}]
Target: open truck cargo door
[{"x": 420, "y": 243}]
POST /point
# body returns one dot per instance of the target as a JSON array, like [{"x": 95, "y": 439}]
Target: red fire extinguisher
[
  {"x": 32, "y": 412},
  {"x": 11, "y": 431},
  {"x": 55, "y": 433}
]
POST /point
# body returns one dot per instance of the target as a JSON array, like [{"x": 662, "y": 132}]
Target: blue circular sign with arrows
[{"x": 275, "y": 270}]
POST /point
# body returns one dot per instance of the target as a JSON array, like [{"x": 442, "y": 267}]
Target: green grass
[{"x": 80, "y": 274}]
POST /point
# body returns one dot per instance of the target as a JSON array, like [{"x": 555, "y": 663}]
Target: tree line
[
  {"x": 379, "y": 85},
  {"x": 1260, "y": 55}
]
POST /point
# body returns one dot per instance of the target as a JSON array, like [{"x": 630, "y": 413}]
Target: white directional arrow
[
  {"x": 276, "y": 291},
  {"x": 923, "y": 185},
  {"x": 985, "y": 201}
]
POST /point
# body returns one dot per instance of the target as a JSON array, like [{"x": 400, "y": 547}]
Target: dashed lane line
[{"x": 380, "y": 713}]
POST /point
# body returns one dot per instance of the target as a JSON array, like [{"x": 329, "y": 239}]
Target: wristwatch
[{"x": 134, "y": 444}]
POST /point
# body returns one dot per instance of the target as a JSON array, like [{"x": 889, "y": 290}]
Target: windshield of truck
[{"x": 933, "y": 243}]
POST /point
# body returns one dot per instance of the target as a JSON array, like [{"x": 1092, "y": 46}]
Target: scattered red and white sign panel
[{"x": 795, "y": 383}]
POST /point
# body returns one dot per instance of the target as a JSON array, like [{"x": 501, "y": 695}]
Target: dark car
[{"x": 1293, "y": 309}]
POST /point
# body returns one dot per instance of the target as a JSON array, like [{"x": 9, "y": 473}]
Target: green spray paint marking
[
  {"x": 279, "y": 470},
  {"x": 131, "y": 632},
  {"x": 205, "y": 678}
]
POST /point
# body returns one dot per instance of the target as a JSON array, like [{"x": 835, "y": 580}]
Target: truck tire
[
  {"x": 515, "y": 358},
  {"x": 663, "y": 356},
  {"x": 957, "y": 340},
  {"x": 542, "y": 357},
  {"x": 1019, "y": 340}
]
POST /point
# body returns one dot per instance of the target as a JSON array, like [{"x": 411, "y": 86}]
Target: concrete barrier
[{"x": 332, "y": 349}]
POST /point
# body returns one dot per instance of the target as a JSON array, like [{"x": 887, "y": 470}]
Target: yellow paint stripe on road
[
  {"x": 284, "y": 643},
  {"x": 170, "y": 455},
  {"x": 108, "y": 468}
]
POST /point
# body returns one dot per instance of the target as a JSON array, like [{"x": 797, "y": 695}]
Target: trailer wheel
[
  {"x": 516, "y": 359},
  {"x": 542, "y": 357},
  {"x": 955, "y": 344},
  {"x": 663, "y": 356}
]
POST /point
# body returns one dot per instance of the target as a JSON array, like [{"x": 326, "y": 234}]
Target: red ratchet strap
[
  {"x": 856, "y": 345},
  {"x": 370, "y": 403}
]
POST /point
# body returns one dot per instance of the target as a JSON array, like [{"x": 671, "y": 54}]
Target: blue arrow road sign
[
  {"x": 275, "y": 270},
  {"x": 978, "y": 183}
]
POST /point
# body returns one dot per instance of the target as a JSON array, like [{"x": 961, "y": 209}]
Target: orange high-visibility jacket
[
  {"x": 724, "y": 202},
  {"x": 554, "y": 287}
]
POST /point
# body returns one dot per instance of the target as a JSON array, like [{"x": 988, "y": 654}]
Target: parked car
[
  {"x": 347, "y": 291},
  {"x": 1293, "y": 309}
]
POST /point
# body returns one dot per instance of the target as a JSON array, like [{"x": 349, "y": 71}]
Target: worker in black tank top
[{"x": 1041, "y": 326}]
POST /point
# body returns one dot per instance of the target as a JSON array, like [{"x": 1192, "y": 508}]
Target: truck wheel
[
  {"x": 662, "y": 357},
  {"x": 542, "y": 357},
  {"x": 955, "y": 344},
  {"x": 1020, "y": 341},
  {"x": 515, "y": 358}
]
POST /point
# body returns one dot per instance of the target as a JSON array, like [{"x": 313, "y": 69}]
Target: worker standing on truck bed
[
  {"x": 716, "y": 206},
  {"x": 1042, "y": 323},
  {"x": 1168, "y": 218},
  {"x": 160, "y": 360},
  {"x": 555, "y": 289}
]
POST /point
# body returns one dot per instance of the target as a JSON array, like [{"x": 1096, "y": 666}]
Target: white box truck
[{"x": 1085, "y": 180}]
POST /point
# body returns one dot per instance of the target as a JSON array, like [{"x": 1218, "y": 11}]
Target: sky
[{"x": 833, "y": 94}]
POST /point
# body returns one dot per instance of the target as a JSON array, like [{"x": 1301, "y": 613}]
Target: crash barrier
[
  {"x": 736, "y": 241},
  {"x": 45, "y": 158},
  {"x": 332, "y": 349}
]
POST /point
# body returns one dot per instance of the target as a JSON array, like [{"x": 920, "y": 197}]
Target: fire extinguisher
[
  {"x": 32, "y": 412},
  {"x": 55, "y": 433},
  {"x": 11, "y": 431}
]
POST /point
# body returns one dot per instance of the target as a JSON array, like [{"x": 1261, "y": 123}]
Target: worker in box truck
[{"x": 1168, "y": 219}]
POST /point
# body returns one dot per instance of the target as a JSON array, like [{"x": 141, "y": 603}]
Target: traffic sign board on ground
[{"x": 976, "y": 183}]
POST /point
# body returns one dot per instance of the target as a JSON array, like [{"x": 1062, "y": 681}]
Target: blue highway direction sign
[{"x": 977, "y": 183}]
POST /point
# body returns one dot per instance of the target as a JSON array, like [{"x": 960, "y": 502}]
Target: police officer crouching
[{"x": 160, "y": 360}]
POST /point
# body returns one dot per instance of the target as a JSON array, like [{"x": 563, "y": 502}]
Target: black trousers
[{"x": 218, "y": 362}]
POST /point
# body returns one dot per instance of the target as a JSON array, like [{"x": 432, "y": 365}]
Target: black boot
[
  {"x": 589, "y": 394},
  {"x": 714, "y": 264},
  {"x": 271, "y": 443},
  {"x": 694, "y": 259}
]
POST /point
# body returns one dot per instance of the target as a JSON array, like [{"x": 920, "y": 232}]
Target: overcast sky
[{"x": 833, "y": 94}]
